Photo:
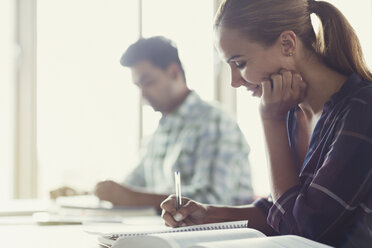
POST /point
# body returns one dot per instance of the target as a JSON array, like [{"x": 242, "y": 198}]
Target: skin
[
  {"x": 164, "y": 90},
  {"x": 282, "y": 75}
]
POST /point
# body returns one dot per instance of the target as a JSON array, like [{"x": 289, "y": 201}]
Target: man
[{"x": 198, "y": 139}]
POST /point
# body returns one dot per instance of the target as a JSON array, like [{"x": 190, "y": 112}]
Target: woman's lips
[
  {"x": 251, "y": 87},
  {"x": 255, "y": 89}
]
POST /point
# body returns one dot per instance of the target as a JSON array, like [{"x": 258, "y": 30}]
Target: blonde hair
[{"x": 264, "y": 20}]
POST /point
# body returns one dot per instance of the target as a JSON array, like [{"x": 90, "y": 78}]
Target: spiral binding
[{"x": 185, "y": 229}]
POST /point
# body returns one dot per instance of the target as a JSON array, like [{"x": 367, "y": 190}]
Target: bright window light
[
  {"x": 171, "y": 18},
  {"x": 87, "y": 120}
]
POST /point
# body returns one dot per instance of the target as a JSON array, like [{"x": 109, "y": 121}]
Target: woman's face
[{"x": 250, "y": 62}]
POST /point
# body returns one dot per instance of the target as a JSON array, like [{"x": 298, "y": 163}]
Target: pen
[{"x": 177, "y": 177}]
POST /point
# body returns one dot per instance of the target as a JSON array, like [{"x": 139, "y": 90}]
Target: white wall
[{"x": 359, "y": 14}]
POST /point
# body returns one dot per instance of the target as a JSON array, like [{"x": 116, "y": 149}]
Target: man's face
[{"x": 155, "y": 85}]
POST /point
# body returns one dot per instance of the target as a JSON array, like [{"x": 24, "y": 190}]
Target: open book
[{"x": 224, "y": 235}]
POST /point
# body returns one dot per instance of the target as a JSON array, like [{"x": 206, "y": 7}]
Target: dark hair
[
  {"x": 158, "y": 50},
  {"x": 264, "y": 20}
]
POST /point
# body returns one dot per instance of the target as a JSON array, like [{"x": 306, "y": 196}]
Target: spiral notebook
[
  {"x": 222, "y": 235},
  {"x": 137, "y": 231}
]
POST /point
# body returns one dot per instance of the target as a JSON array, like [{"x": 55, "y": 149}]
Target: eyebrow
[{"x": 233, "y": 57}]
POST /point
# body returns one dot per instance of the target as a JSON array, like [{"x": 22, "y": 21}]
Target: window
[
  {"x": 171, "y": 18},
  {"x": 359, "y": 14},
  {"x": 87, "y": 115},
  {"x": 249, "y": 121},
  {"x": 7, "y": 63},
  {"x": 87, "y": 122}
]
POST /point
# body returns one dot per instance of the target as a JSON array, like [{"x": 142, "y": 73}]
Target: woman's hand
[
  {"x": 284, "y": 91},
  {"x": 191, "y": 212}
]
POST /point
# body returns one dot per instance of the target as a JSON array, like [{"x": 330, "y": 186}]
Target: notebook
[
  {"x": 222, "y": 235},
  {"x": 68, "y": 210},
  {"x": 137, "y": 231}
]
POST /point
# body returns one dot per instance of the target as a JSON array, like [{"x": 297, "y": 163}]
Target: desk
[
  {"x": 21, "y": 231},
  {"x": 24, "y": 235}
]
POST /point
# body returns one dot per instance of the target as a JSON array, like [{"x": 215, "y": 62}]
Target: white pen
[{"x": 177, "y": 180}]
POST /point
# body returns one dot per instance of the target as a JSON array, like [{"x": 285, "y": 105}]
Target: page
[
  {"x": 83, "y": 202},
  {"x": 139, "y": 230},
  {"x": 185, "y": 239},
  {"x": 285, "y": 241},
  {"x": 143, "y": 230}
]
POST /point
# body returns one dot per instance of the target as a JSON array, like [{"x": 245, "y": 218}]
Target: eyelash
[{"x": 239, "y": 65}]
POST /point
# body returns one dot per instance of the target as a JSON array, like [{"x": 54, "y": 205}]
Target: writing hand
[{"x": 190, "y": 213}]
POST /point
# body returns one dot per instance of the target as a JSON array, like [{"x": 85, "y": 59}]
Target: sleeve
[
  {"x": 222, "y": 170},
  {"x": 264, "y": 204},
  {"x": 340, "y": 186},
  {"x": 137, "y": 177}
]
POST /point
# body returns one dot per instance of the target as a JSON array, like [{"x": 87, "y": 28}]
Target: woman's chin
[{"x": 257, "y": 93}]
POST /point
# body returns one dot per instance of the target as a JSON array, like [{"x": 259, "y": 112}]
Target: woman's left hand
[{"x": 284, "y": 91}]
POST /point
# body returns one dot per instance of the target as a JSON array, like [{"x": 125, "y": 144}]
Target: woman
[{"x": 316, "y": 111}]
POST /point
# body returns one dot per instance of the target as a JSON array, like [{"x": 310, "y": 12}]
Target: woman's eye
[{"x": 239, "y": 64}]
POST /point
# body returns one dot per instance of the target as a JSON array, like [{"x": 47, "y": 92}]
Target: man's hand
[
  {"x": 65, "y": 191},
  {"x": 115, "y": 193}
]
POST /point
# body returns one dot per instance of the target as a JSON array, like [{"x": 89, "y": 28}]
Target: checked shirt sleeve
[{"x": 222, "y": 169}]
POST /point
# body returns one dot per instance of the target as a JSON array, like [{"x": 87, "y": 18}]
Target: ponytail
[{"x": 337, "y": 42}]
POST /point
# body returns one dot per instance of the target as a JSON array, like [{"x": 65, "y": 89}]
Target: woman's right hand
[
  {"x": 281, "y": 93},
  {"x": 190, "y": 213}
]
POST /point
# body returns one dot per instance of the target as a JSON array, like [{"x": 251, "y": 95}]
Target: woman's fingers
[
  {"x": 168, "y": 219},
  {"x": 266, "y": 88},
  {"x": 287, "y": 90},
  {"x": 169, "y": 204},
  {"x": 277, "y": 80},
  {"x": 170, "y": 214},
  {"x": 299, "y": 87},
  {"x": 287, "y": 79},
  {"x": 190, "y": 213},
  {"x": 169, "y": 211}
]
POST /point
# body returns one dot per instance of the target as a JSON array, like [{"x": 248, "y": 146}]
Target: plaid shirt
[
  {"x": 206, "y": 146},
  {"x": 333, "y": 203}
]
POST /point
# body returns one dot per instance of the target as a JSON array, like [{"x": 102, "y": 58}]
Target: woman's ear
[{"x": 288, "y": 42}]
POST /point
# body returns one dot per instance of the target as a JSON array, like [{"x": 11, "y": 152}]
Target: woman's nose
[{"x": 236, "y": 79}]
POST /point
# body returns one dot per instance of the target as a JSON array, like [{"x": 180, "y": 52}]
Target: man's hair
[{"x": 158, "y": 50}]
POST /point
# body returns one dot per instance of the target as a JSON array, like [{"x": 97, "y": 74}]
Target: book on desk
[
  {"x": 223, "y": 235},
  {"x": 87, "y": 208}
]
